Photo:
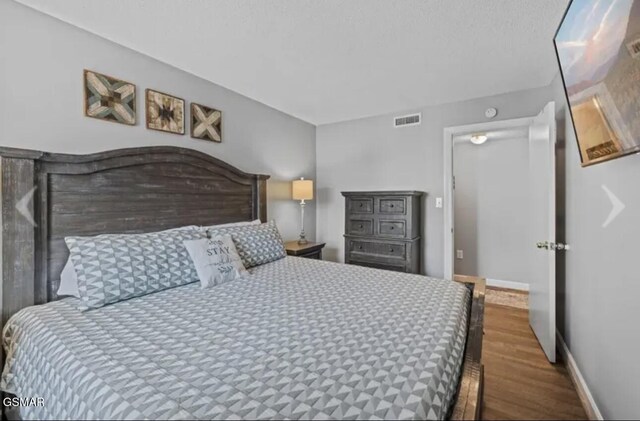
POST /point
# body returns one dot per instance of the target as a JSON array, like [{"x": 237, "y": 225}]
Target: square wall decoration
[
  {"x": 206, "y": 123},
  {"x": 164, "y": 112},
  {"x": 108, "y": 98}
]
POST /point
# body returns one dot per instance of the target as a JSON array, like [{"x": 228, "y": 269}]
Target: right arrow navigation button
[{"x": 617, "y": 208}]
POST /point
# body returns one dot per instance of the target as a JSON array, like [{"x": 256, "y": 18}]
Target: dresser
[{"x": 382, "y": 229}]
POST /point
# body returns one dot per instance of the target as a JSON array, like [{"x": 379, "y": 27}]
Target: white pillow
[
  {"x": 68, "y": 281},
  {"x": 216, "y": 260}
]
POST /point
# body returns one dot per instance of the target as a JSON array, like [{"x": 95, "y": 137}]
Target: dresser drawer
[
  {"x": 360, "y": 248},
  {"x": 392, "y": 205},
  {"x": 360, "y": 227},
  {"x": 392, "y": 228},
  {"x": 360, "y": 205}
]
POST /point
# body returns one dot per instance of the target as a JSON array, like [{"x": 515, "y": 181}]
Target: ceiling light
[{"x": 478, "y": 139}]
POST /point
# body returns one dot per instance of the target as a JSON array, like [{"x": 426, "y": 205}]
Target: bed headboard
[{"x": 119, "y": 191}]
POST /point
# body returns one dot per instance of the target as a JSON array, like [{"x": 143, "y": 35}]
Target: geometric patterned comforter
[{"x": 297, "y": 338}]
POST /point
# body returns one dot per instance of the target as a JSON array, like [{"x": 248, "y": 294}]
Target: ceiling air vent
[{"x": 407, "y": 120}]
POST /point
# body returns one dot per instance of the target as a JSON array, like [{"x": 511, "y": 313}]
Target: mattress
[{"x": 297, "y": 338}]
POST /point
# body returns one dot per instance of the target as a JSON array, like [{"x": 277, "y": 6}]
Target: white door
[{"x": 542, "y": 187}]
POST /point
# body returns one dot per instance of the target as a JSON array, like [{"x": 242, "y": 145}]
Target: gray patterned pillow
[
  {"x": 256, "y": 244},
  {"x": 116, "y": 267}
]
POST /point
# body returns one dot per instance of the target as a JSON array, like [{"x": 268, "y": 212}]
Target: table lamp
[{"x": 302, "y": 190}]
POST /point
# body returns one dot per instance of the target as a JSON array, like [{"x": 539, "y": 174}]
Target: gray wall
[
  {"x": 492, "y": 208},
  {"x": 41, "y": 96},
  {"x": 370, "y": 154},
  {"x": 599, "y": 285}
]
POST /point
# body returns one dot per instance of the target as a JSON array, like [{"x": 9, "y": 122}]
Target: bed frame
[{"x": 48, "y": 196}]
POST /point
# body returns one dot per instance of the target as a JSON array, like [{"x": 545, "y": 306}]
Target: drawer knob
[
  {"x": 359, "y": 247},
  {"x": 392, "y": 205},
  {"x": 361, "y": 205},
  {"x": 360, "y": 226},
  {"x": 391, "y": 250},
  {"x": 392, "y": 227}
]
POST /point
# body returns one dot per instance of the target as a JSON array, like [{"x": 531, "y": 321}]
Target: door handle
[
  {"x": 552, "y": 246},
  {"x": 558, "y": 246}
]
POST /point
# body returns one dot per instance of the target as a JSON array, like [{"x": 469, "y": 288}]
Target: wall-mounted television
[{"x": 598, "y": 49}]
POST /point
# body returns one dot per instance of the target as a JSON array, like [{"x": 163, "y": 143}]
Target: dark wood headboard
[{"x": 120, "y": 191}]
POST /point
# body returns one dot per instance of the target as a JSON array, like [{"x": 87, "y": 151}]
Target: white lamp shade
[{"x": 302, "y": 189}]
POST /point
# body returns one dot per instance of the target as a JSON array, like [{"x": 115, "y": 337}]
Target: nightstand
[{"x": 310, "y": 250}]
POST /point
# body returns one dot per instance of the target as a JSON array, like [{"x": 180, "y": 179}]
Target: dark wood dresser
[{"x": 382, "y": 229}]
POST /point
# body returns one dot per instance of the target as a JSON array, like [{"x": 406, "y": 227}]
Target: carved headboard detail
[{"x": 120, "y": 191}]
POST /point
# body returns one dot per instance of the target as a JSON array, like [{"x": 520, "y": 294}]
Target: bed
[{"x": 297, "y": 338}]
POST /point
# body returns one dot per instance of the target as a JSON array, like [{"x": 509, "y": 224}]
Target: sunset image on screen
[{"x": 598, "y": 45}]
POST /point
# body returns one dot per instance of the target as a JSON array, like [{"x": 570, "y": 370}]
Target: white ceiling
[{"x": 332, "y": 60}]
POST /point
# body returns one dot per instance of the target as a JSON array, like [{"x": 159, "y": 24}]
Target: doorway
[
  {"x": 490, "y": 207},
  {"x": 504, "y": 226}
]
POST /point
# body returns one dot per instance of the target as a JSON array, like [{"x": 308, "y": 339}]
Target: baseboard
[
  {"x": 520, "y": 286},
  {"x": 582, "y": 388}
]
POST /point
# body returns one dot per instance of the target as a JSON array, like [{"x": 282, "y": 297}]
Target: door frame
[{"x": 449, "y": 210}]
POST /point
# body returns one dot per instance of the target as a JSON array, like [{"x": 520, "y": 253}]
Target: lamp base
[{"x": 303, "y": 238}]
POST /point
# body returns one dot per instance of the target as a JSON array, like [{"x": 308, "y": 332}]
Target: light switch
[
  {"x": 459, "y": 254},
  {"x": 438, "y": 202}
]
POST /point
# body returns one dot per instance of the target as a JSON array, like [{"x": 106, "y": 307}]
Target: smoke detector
[{"x": 490, "y": 112}]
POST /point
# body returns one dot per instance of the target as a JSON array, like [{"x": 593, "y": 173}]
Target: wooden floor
[{"x": 519, "y": 381}]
